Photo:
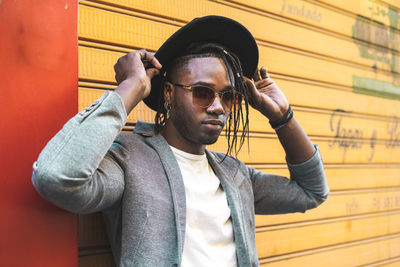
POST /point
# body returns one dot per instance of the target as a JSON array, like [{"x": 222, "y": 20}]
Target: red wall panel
[{"x": 38, "y": 93}]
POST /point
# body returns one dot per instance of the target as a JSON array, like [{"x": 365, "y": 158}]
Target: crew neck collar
[{"x": 187, "y": 155}]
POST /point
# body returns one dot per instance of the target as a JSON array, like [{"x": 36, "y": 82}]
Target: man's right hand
[{"x": 133, "y": 73}]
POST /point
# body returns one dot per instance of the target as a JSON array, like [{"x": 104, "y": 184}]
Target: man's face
[{"x": 197, "y": 125}]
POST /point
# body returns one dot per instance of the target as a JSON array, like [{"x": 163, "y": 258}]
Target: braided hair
[{"x": 238, "y": 117}]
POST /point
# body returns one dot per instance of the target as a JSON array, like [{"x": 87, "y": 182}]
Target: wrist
[
  {"x": 278, "y": 124},
  {"x": 131, "y": 92}
]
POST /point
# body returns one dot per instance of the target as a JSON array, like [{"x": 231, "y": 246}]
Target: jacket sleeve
[
  {"x": 81, "y": 168},
  {"x": 306, "y": 189}
]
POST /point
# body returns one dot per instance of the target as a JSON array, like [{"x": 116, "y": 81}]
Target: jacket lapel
[
  {"x": 226, "y": 175},
  {"x": 177, "y": 187}
]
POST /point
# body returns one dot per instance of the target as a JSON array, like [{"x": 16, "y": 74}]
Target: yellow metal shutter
[{"x": 338, "y": 64}]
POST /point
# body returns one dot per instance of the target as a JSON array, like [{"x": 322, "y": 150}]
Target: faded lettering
[
  {"x": 372, "y": 142},
  {"x": 352, "y": 207},
  {"x": 397, "y": 201},
  {"x": 376, "y": 203},
  {"x": 344, "y": 138},
  {"x": 302, "y": 10},
  {"x": 353, "y": 138},
  {"x": 386, "y": 203},
  {"x": 393, "y": 132}
]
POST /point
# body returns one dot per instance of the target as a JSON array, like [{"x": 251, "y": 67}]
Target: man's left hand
[{"x": 265, "y": 96}]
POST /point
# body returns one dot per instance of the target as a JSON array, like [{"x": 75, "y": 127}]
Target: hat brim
[{"x": 217, "y": 29}]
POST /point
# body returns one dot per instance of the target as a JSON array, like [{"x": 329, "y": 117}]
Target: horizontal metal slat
[
  {"x": 97, "y": 65},
  {"x": 266, "y": 148},
  {"x": 340, "y": 205},
  {"x": 120, "y": 29},
  {"x": 278, "y": 242},
  {"x": 361, "y": 252},
  {"x": 375, "y": 10},
  {"x": 319, "y": 16},
  {"x": 332, "y": 124},
  {"x": 88, "y": 96},
  {"x": 350, "y": 177}
]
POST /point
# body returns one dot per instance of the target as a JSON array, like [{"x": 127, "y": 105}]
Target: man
[{"x": 166, "y": 199}]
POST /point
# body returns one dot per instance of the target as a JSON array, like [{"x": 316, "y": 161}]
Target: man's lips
[{"x": 213, "y": 122}]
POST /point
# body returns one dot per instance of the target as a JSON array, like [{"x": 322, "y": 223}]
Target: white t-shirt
[{"x": 209, "y": 237}]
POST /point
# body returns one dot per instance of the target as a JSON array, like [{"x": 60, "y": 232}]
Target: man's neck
[{"x": 175, "y": 139}]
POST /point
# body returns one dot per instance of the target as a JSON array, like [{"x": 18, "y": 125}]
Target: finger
[
  {"x": 117, "y": 75},
  {"x": 149, "y": 57},
  {"x": 251, "y": 87},
  {"x": 118, "y": 78},
  {"x": 264, "y": 73},
  {"x": 153, "y": 62},
  {"x": 252, "y": 92},
  {"x": 256, "y": 76},
  {"x": 152, "y": 72},
  {"x": 265, "y": 82}
]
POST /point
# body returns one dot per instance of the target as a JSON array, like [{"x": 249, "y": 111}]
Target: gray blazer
[{"x": 136, "y": 182}]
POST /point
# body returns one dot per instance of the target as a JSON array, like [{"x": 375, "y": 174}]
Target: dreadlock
[{"x": 238, "y": 118}]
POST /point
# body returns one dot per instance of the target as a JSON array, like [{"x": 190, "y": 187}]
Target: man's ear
[{"x": 168, "y": 92}]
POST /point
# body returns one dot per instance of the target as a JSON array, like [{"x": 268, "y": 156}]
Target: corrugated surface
[{"x": 338, "y": 64}]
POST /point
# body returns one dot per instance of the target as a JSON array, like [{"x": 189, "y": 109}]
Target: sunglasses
[{"x": 203, "y": 96}]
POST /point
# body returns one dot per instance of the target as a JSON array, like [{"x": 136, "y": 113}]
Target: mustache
[{"x": 213, "y": 122}]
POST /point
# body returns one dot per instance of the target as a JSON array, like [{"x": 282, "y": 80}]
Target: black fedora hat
[{"x": 216, "y": 29}]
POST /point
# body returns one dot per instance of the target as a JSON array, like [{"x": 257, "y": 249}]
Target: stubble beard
[{"x": 183, "y": 124}]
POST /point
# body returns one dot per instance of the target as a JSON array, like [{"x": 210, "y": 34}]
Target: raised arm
[
  {"x": 134, "y": 72},
  {"x": 307, "y": 187},
  {"x": 267, "y": 98},
  {"x": 81, "y": 169}
]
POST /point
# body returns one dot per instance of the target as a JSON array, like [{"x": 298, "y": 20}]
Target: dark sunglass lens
[
  {"x": 229, "y": 99},
  {"x": 203, "y": 96}
]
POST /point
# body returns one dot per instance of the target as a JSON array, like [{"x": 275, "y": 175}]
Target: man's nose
[{"x": 216, "y": 106}]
